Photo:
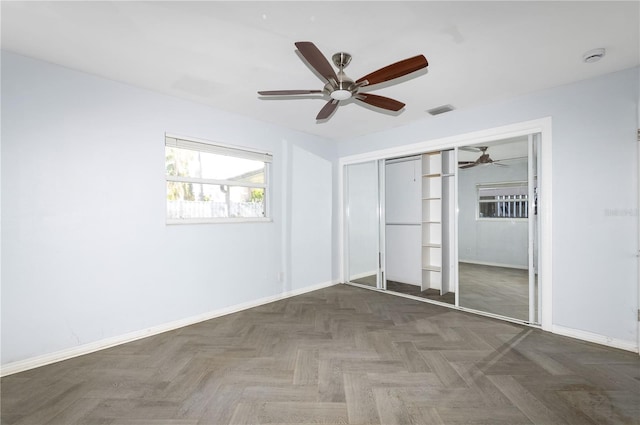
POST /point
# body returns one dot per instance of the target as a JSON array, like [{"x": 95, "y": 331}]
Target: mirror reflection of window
[{"x": 503, "y": 200}]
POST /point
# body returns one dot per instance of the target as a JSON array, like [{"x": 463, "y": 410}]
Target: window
[
  {"x": 214, "y": 183},
  {"x": 503, "y": 200}
]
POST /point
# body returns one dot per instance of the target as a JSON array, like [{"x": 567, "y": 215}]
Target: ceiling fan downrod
[{"x": 344, "y": 87}]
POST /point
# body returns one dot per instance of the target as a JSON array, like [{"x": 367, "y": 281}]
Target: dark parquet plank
[
  {"x": 361, "y": 403},
  {"x": 528, "y": 404},
  {"x": 392, "y": 410},
  {"x": 340, "y": 355}
]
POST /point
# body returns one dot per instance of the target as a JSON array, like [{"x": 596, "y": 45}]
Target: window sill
[
  {"x": 502, "y": 219},
  {"x": 172, "y": 221}
]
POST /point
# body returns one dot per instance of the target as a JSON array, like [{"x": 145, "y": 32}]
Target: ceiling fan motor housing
[
  {"x": 344, "y": 88},
  {"x": 341, "y": 59}
]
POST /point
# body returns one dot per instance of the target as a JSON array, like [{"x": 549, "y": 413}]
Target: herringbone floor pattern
[{"x": 341, "y": 355}]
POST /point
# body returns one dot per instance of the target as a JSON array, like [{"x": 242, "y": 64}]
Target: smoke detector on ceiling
[{"x": 593, "y": 55}]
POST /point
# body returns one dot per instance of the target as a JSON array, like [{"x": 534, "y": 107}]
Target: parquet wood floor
[{"x": 340, "y": 355}]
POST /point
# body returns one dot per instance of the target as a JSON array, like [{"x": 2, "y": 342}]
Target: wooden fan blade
[
  {"x": 316, "y": 59},
  {"x": 327, "y": 109},
  {"x": 287, "y": 92},
  {"x": 468, "y": 165},
  {"x": 380, "y": 101},
  {"x": 395, "y": 70}
]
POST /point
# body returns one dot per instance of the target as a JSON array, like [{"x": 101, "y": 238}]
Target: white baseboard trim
[
  {"x": 45, "y": 359},
  {"x": 595, "y": 338},
  {"x": 487, "y": 263}
]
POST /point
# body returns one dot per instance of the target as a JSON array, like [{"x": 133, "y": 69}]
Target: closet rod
[{"x": 403, "y": 159}]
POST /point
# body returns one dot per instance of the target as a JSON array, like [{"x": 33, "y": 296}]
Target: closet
[
  {"x": 438, "y": 221},
  {"x": 419, "y": 226},
  {"x": 438, "y": 225}
]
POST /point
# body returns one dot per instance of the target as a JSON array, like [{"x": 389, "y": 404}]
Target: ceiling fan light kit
[
  {"x": 340, "y": 87},
  {"x": 340, "y": 94}
]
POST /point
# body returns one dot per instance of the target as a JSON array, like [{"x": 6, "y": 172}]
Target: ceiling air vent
[{"x": 441, "y": 109}]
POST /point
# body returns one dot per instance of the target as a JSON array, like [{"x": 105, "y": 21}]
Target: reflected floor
[
  {"x": 407, "y": 289},
  {"x": 497, "y": 290},
  {"x": 431, "y": 294},
  {"x": 366, "y": 280}
]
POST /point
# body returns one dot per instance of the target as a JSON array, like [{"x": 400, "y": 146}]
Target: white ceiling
[{"x": 221, "y": 53}]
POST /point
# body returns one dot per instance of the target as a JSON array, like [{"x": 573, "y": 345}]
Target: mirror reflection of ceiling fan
[{"x": 483, "y": 159}]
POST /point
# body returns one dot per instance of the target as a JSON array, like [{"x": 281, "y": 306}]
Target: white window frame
[
  {"x": 499, "y": 185},
  {"x": 228, "y": 150}
]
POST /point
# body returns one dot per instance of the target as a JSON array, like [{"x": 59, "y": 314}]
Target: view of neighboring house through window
[
  {"x": 503, "y": 200},
  {"x": 213, "y": 183}
]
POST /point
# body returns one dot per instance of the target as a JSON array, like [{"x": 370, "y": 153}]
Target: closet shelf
[
  {"x": 432, "y": 268},
  {"x": 437, "y": 215}
]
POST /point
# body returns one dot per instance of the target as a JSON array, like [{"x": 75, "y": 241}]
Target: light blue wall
[
  {"x": 595, "y": 191},
  {"x": 500, "y": 242},
  {"x": 311, "y": 219},
  {"x": 86, "y": 253}
]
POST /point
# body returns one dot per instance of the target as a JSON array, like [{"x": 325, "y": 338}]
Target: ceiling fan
[
  {"x": 340, "y": 87},
  {"x": 483, "y": 159}
]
